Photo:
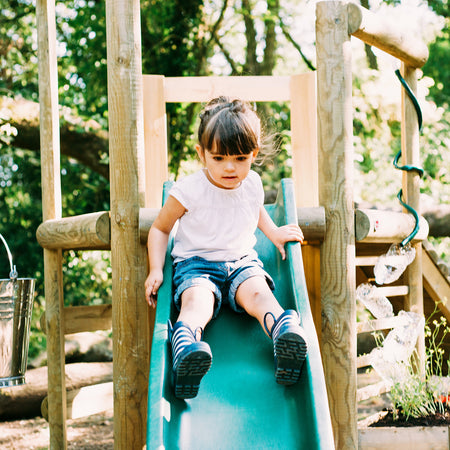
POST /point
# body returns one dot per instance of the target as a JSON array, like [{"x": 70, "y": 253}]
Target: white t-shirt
[{"x": 219, "y": 224}]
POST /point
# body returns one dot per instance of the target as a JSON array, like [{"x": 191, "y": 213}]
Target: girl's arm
[
  {"x": 278, "y": 235},
  {"x": 158, "y": 237}
]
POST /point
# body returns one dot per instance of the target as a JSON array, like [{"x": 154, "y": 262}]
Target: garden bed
[
  {"x": 381, "y": 431},
  {"x": 403, "y": 438}
]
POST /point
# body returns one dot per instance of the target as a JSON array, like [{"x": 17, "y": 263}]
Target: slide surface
[{"x": 239, "y": 404}]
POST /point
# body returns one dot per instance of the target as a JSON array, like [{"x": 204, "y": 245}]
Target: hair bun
[{"x": 237, "y": 106}]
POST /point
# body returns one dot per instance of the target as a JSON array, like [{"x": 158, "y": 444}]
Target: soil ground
[
  {"x": 96, "y": 432},
  {"x": 89, "y": 433}
]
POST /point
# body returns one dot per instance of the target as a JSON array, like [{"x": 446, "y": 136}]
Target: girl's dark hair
[{"x": 230, "y": 127}]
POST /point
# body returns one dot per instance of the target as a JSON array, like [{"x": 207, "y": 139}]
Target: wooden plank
[
  {"x": 51, "y": 209},
  {"x": 78, "y": 319},
  {"x": 337, "y": 257},
  {"x": 437, "y": 286},
  {"x": 373, "y": 225},
  {"x": 380, "y": 324},
  {"x": 374, "y": 29},
  {"x": 86, "y": 231},
  {"x": 417, "y": 438},
  {"x": 131, "y": 336},
  {"x": 155, "y": 135},
  {"x": 373, "y": 390},
  {"x": 203, "y": 89},
  {"x": 393, "y": 291},
  {"x": 365, "y": 261},
  {"x": 311, "y": 262},
  {"x": 363, "y": 361},
  {"x": 305, "y": 171}
]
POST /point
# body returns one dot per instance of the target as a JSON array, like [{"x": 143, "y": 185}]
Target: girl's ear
[
  {"x": 255, "y": 153},
  {"x": 200, "y": 153}
]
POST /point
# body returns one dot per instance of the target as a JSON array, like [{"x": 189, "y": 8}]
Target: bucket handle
[{"x": 13, "y": 273}]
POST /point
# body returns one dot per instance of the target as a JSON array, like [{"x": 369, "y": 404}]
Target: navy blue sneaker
[
  {"x": 289, "y": 345},
  {"x": 191, "y": 360}
]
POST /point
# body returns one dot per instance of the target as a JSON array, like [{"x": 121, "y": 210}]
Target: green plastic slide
[{"x": 239, "y": 405}]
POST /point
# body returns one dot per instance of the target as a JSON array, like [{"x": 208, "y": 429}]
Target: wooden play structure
[{"x": 342, "y": 242}]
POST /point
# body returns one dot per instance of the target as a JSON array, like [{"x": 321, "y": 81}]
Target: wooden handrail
[
  {"x": 310, "y": 220},
  {"x": 86, "y": 231},
  {"x": 373, "y": 225},
  {"x": 373, "y": 29}
]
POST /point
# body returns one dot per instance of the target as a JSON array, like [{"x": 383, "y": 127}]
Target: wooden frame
[{"x": 136, "y": 183}]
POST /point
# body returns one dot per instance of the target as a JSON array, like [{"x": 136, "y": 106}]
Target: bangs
[{"x": 230, "y": 135}]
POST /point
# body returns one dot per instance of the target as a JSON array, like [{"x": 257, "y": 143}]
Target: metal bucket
[{"x": 16, "y": 306}]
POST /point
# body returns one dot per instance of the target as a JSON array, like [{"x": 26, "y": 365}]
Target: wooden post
[
  {"x": 305, "y": 174},
  {"x": 51, "y": 209},
  {"x": 155, "y": 134},
  {"x": 128, "y": 256},
  {"x": 411, "y": 192},
  {"x": 304, "y": 139},
  {"x": 334, "y": 89}
]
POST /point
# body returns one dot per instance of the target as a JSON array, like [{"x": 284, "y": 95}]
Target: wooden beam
[
  {"x": 155, "y": 135},
  {"x": 305, "y": 170},
  {"x": 337, "y": 258},
  {"x": 78, "y": 319},
  {"x": 86, "y": 231},
  {"x": 203, "y": 89},
  {"x": 311, "y": 221},
  {"x": 374, "y": 29},
  {"x": 373, "y": 225},
  {"x": 436, "y": 284},
  {"x": 131, "y": 333},
  {"x": 51, "y": 209},
  {"x": 365, "y": 261},
  {"x": 380, "y": 324},
  {"x": 373, "y": 390}
]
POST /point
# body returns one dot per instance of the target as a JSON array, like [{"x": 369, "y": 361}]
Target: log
[
  {"x": 374, "y": 29},
  {"x": 86, "y": 401},
  {"x": 337, "y": 253},
  {"x": 86, "y": 231},
  {"x": 372, "y": 225},
  {"x": 21, "y": 402},
  {"x": 311, "y": 221}
]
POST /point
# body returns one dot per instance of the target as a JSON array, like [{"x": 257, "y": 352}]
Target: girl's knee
[{"x": 197, "y": 296}]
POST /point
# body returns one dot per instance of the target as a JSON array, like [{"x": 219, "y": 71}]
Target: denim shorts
[{"x": 222, "y": 278}]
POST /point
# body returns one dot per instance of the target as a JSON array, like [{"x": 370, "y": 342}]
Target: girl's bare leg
[
  {"x": 289, "y": 340},
  {"x": 197, "y": 307},
  {"x": 257, "y": 299}
]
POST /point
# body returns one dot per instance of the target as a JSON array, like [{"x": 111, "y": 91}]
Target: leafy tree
[{"x": 179, "y": 38}]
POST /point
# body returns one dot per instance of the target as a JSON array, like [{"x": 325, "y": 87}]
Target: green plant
[{"x": 420, "y": 393}]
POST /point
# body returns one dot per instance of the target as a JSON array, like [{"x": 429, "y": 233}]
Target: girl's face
[{"x": 226, "y": 171}]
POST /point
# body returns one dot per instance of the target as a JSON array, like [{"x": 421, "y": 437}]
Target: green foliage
[
  {"x": 87, "y": 279},
  {"x": 420, "y": 395},
  {"x": 18, "y": 59},
  {"x": 181, "y": 38}
]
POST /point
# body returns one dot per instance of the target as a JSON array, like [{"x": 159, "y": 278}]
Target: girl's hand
[
  {"x": 286, "y": 233},
  {"x": 152, "y": 284}
]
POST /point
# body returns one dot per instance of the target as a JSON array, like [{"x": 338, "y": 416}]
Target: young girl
[{"x": 219, "y": 209}]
